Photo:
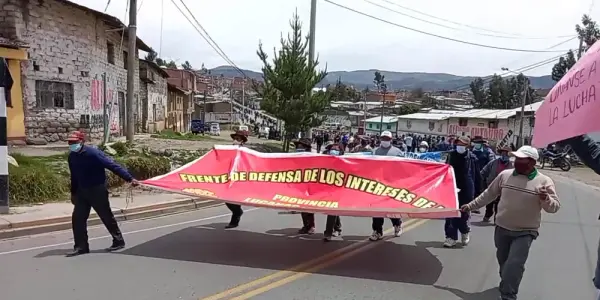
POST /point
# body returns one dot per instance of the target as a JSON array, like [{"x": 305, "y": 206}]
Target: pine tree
[
  {"x": 187, "y": 66},
  {"x": 288, "y": 82},
  {"x": 587, "y": 33}
]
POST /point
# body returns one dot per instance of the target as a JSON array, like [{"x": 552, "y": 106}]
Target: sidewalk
[{"x": 57, "y": 216}]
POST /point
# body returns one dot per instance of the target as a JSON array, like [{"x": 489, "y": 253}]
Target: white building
[{"x": 425, "y": 123}]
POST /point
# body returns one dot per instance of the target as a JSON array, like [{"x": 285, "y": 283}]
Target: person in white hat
[
  {"x": 524, "y": 192},
  {"x": 386, "y": 149},
  {"x": 423, "y": 147}
]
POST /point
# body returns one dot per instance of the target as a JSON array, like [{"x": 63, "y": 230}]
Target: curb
[{"x": 15, "y": 230}]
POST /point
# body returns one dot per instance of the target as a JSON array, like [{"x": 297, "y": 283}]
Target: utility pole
[
  {"x": 364, "y": 112},
  {"x": 523, "y": 101},
  {"x": 580, "y": 52},
  {"x": 384, "y": 88},
  {"x": 4, "y": 205},
  {"x": 311, "y": 45},
  {"x": 131, "y": 57}
]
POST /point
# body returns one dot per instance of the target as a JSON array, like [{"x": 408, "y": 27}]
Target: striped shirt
[{"x": 520, "y": 206}]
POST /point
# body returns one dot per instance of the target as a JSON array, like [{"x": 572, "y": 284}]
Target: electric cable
[{"x": 440, "y": 36}]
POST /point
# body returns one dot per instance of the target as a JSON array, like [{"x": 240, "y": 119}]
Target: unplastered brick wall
[
  {"x": 63, "y": 79},
  {"x": 155, "y": 94}
]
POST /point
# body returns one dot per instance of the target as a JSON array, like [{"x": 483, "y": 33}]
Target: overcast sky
[{"x": 348, "y": 41}]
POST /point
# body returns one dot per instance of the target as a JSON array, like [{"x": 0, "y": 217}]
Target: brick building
[
  {"x": 73, "y": 53},
  {"x": 153, "y": 97},
  {"x": 182, "y": 89}
]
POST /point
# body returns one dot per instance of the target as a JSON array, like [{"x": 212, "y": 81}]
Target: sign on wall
[{"x": 487, "y": 133}]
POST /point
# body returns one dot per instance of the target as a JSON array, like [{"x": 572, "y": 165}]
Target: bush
[
  {"x": 141, "y": 167},
  {"x": 35, "y": 181}
]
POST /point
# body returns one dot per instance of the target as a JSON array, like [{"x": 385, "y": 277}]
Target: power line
[
  {"x": 457, "y": 23},
  {"x": 208, "y": 39},
  {"x": 550, "y": 47},
  {"x": 519, "y": 70},
  {"x": 454, "y": 28},
  {"x": 439, "y": 36}
]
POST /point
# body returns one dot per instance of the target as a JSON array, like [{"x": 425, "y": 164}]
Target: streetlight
[{"x": 520, "y": 141}]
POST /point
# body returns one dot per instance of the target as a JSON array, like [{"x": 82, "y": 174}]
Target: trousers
[
  {"x": 84, "y": 200},
  {"x": 377, "y": 224},
  {"x": 333, "y": 223},
  {"x": 308, "y": 220},
  {"x": 236, "y": 213},
  {"x": 512, "y": 250},
  {"x": 455, "y": 225}
]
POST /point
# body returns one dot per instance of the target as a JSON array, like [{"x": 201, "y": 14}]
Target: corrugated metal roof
[
  {"x": 385, "y": 119},
  {"x": 485, "y": 114},
  {"x": 425, "y": 116},
  {"x": 531, "y": 107}
]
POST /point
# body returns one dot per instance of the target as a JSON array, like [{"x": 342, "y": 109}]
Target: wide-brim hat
[
  {"x": 239, "y": 134},
  {"x": 478, "y": 139}
]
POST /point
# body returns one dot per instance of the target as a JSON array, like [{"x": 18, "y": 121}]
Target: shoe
[
  {"x": 337, "y": 233},
  {"x": 327, "y": 238},
  {"x": 465, "y": 238},
  {"x": 397, "y": 230},
  {"x": 449, "y": 243},
  {"x": 231, "y": 225},
  {"x": 485, "y": 220},
  {"x": 78, "y": 251},
  {"x": 116, "y": 245},
  {"x": 376, "y": 236},
  {"x": 303, "y": 230},
  {"x": 477, "y": 211}
]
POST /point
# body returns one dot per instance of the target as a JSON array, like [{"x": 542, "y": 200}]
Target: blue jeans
[{"x": 454, "y": 225}]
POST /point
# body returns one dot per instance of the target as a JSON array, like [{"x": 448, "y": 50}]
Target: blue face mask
[
  {"x": 504, "y": 158},
  {"x": 300, "y": 150},
  {"x": 75, "y": 147},
  {"x": 334, "y": 152},
  {"x": 477, "y": 147}
]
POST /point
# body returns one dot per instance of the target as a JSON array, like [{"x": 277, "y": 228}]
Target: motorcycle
[{"x": 560, "y": 160}]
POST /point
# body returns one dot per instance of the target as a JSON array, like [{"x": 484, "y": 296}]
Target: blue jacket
[
  {"x": 470, "y": 182},
  {"x": 484, "y": 156},
  {"x": 87, "y": 168}
]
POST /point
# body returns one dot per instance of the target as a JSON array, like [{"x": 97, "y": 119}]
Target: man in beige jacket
[{"x": 524, "y": 193}]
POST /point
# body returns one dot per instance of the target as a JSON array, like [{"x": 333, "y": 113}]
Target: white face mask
[
  {"x": 386, "y": 144},
  {"x": 461, "y": 149},
  {"x": 237, "y": 143},
  {"x": 422, "y": 149}
]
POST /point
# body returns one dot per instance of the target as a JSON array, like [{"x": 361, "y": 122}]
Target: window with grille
[
  {"x": 463, "y": 122},
  {"x": 493, "y": 124},
  {"x": 52, "y": 94}
]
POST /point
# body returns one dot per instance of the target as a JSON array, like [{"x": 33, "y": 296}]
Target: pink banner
[{"x": 570, "y": 109}]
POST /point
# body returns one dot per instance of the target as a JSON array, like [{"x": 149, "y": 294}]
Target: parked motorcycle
[{"x": 560, "y": 160}]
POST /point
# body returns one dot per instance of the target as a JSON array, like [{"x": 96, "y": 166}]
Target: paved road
[{"x": 190, "y": 256}]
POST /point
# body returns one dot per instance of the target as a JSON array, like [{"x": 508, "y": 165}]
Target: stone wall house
[
  {"x": 74, "y": 53},
  {"x": 153, "y": 97}
]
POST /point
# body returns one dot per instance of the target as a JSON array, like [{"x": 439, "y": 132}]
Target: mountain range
[{"x": 394, "y": 80}]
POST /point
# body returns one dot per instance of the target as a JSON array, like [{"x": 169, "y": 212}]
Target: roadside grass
[{"x": 172, "y": 135}]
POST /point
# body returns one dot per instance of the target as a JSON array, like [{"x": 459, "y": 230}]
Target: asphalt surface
[{"x": 189, "y": 256}]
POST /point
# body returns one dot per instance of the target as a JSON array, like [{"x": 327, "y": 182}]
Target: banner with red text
[
  {"x": 570, "y": 109},
  {"x": 364, "y": 186}
]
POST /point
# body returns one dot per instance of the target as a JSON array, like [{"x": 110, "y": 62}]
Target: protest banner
[
  {"x": 365, "y": 186},
  {"x": 570, "y": 109},
  {"x": 429, "y": 156}
]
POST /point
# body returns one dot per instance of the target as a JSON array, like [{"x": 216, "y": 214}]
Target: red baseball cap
[{"x": 76, "y": 136}]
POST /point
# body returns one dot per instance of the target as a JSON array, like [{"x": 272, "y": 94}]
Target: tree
[
  {"x": 288, "y": 81},
  {"x": 587, "y": 33},
  {"x": 478, "y": 90},
  {"x": 379, "y": 81},
  {"x": 160, "y": 62},
  {"x": 187, "y": 66},
  {"x": 171, "y": 64},
  {"x": 151, "y": 56},
  {"x": 407, "y": 109}
]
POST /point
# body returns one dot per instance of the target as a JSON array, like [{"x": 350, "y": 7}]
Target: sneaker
[
  {"x": 305, "y": 230},
  {"x": 465, "y": 238},
  {"x": 397, "y": 230},
  {"x": 449, "y": 243},
  {"x": 77, "y": 252},
  {"x": 231, "y": 225},
  {"x": 485, "y": 220},
  {"x": 327, "y": 238},
  {"x": 117, "y": 245},
  {"x": 337, "y": 233},
  {"x": 376, "y": 236}
]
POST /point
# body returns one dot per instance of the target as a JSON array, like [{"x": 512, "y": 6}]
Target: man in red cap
[{"x": 88, "y": 190}]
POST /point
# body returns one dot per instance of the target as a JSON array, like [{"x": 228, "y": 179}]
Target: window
[
  {"x": 110, "y": 53},
  {"x": 370, "y": 125},
  {"x": 125, "y": 57},
  {"x": 388, "y": 126},
  {"x": 377, "y": 126},
  {"x": 493, "y": 124},
  {"x": 463, "y": 122},
  {"x": 51, "y": 94}
]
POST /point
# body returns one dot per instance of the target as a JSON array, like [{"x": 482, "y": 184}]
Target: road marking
[
  {"x": 320, "y": 266},
  {"x": 298, "y": 268},
  {"x": 125, "y": 233}
]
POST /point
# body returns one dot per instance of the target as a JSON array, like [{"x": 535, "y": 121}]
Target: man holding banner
[
  {"x": 385, "y": 149},
  {"x": 308, "y": 219}
]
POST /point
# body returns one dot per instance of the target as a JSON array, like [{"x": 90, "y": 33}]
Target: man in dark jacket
[
  {"x": 588, "y": 152},
  {"x": 468, "y": 181},
  {"x": 489, "y": 173},
  {"x": 88, "y": 190}
]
